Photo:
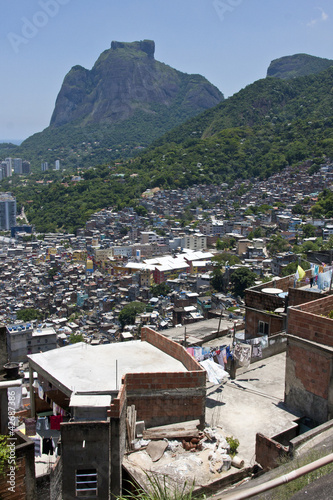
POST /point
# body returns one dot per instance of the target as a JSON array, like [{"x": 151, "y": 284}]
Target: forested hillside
[{"x": 258, "y": 131}]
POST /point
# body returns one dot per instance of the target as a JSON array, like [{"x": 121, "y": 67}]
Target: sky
[{"x": 230, "y": 42}]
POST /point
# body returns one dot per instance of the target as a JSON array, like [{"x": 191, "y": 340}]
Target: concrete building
[
  {"x": 9, "y": 162},
  {"x": 194, "y": 242},
  {"x": 7, "y": 211},
  {"x": 96, "y": 384},
  {"x": 24, "y": 339},
  {"x": 57, "y": 164},
  {"x": 17, "y": 165}
]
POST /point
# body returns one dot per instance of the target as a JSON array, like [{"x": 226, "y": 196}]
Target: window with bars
[{"x": 86, "y": 483}]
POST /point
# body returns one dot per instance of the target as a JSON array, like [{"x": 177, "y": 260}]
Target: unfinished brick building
[
  {"x": 156, "y": 375},
  {"x": 309, "y": 363}
]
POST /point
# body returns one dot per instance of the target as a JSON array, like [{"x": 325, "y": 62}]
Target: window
[
  {"x": 263, "y": 328},
  {"x": 86, "y": 483}
]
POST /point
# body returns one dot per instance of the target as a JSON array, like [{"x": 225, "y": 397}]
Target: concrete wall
[
  {"x": 56, "y": 481},
  {"x": 3, "y": 347},
  {"x": 85, "y": 445}
]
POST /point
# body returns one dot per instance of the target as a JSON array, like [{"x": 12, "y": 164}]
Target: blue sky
[{"x": 230, "y": 42}]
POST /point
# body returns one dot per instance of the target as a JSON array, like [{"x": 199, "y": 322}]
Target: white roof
[
  {"x": 82, "y": 368},
  {"x": 87, "y": 400}
]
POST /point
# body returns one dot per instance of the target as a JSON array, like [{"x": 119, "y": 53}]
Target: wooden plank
[{"x": 171, "y": 434}]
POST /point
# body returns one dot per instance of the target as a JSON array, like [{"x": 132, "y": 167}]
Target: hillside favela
[{"x": 166, "y": 320}]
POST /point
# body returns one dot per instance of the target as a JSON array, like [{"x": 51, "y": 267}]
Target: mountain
[
  {"x": 125, "y": 101},
  {"x": 266, "y": 126},
  {"x": 297, "y": 65},
  {"x": 124, "y": 80}
]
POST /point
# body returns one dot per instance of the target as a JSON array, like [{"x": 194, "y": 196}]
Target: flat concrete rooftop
[
  {"x": 251, "y": 403},
  {"x": 95, "y": 369},
  {"x": 200, "y": 331}
]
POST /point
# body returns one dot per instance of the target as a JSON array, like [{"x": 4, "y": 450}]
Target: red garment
[{"x": 55, "y": 421}]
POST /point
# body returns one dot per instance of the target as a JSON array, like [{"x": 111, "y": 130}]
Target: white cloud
[{"x": 323, "y": 18}]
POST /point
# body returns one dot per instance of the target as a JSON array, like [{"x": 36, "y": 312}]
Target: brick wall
[
  {"x": 20, "y": 488},
  {"x": 296, "y": 296},
  {"x": 163, "y": 398},
  {"x": 312, "y": 369},
  {"x": 269, "y": 451},
  {"x": 170, "y": 347},
  {"x": 256, "y": 299},
  {"x": 309, "y": 380},
  {"x": 25, "y": 483},
  {"x": 306, "y": 321},
  {"x": 276, "y": 322}
]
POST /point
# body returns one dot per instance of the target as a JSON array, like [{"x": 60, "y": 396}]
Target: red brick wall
[
  {"x": 276, "y": 323},
  {"x": 170, "y": 347},
  {"x": 312, "y": 369},
  {"x": 310, "y": 325},
  {"x": 20, "y": 486},
  {"x": 324, "y": 305},
  {"x": 255, "y": 299},
  {"x": 297, "y": 296},
  {"x": 161, "y": 398},
  {"x": 268, "y": 452}
]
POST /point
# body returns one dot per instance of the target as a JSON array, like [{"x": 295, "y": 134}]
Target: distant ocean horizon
[{"x": 17, "y": 142}]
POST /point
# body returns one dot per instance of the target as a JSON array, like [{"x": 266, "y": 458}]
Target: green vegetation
[
  {"x": 4, "y": 454},
  {"x": 324, "y": 205},
  {"x": 128, "y": 313},
  {"x": 277, "y": 244},
  {"x": 74, "y": 338},
  {"x": 233, "y": 443},
  {"x": 159, "y": 488},
  {"x": 28, "y": 314},
  {"x": 297, "y": 65},
  {"x": 241, "y": 279},
  {"x": 290, "y": 489},
  {"x": 292, "y": 267},
  {"x": 161, "y": 289},
  {"x": 253, "y": 134}
]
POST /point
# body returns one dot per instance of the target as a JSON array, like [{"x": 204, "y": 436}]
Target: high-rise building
[
  {"x": 9, "y": 162},
  {"x": 45, "y": 166},
  {"x": 7, "y": 211},
  {"x": 3, "y": 170},
  {"x": 57, "y": 164},
  {"x": 25, "y": 167},
  {"x": 17, "y": 164}
]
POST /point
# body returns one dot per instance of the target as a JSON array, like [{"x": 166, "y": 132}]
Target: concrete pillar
[{"x": 32, "y": 393}]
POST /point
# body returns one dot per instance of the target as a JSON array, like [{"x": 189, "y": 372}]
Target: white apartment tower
[{"x": 9, "y": 162}]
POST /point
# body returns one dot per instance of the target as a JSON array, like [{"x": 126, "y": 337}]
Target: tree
[
  {"x": 241, "y": 279},
  {"x": 128, "y": 313},
  {"x": 28, "y": 314},
  {"x": 74, "y": 338},
  {"x": 161, "y": 289},
  {"x": 277, "y": 244},
  {"x": 226, "y": 257},
  {"x": 217, "y": 280},
  {"x": 292, "y": 267},
  {"x": 309, "y": 230}
]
